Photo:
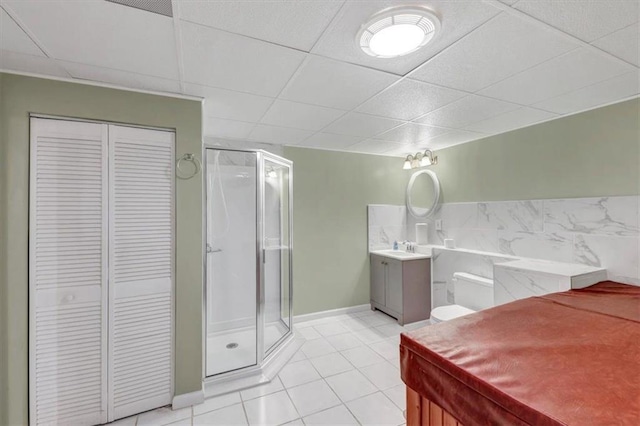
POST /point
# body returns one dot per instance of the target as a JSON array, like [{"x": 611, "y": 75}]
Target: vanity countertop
[{"x": 401, "y": 254}]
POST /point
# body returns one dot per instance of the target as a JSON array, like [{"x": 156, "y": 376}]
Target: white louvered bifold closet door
[
  {"x": 141, "y": 170},
  {"x": 67, "y": 273}
]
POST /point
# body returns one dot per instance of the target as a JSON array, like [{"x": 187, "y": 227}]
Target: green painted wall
[
  {"x": 24, "y": 95},
  {"x": 331, "y": 191},
  {"x": 594, "y": 153},
  {"x": 4, "y": 347}
]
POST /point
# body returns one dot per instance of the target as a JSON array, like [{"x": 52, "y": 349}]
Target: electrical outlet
[{"x": 439, "y": 225}]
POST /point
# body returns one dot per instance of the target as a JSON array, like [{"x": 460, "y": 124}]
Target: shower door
[
  {"x": 276, "y": 250},
  {"x": 248, "y": 266},
  {"x": 232, "y": 232}
]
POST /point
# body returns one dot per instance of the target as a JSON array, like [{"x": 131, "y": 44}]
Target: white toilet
[{"x": 472, "y": 293}]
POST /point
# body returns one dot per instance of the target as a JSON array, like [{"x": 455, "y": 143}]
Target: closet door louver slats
[
  {"x": 68, "y": 282},
  {"x": 141, "y": 269}
]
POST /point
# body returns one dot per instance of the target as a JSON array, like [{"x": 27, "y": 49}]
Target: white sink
[{"x": 400, "y": 255}]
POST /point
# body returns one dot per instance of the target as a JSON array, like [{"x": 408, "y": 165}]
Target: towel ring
[{"x": 191, "y": 158}]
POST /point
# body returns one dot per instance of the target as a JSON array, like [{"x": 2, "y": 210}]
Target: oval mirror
[{"x": 423, "y": 194}]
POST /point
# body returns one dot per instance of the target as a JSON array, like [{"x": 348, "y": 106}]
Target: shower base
[{"x": 234, "y": 349}]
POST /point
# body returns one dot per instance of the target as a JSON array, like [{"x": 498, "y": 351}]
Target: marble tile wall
[
  {"x": 603, "y": 232},
  {"x": 446, "y": 262},
  {"x": 386, "y": 224},
  {"x": 599, "y": 231}
]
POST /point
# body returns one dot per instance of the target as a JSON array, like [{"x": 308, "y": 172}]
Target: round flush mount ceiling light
[{"x": 397, "y": 32}]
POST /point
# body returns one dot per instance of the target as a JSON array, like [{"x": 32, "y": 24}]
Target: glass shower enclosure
[{"x": 248, "y": 286}]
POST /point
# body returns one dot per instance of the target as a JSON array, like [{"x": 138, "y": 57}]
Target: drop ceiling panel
[
  {"x": 103, "y": 34},
  {"x": 404, "y": 150},
  {"x": 411, "y": 133},
  {"x": 409, "y": 99},
  {"x": 587, "y": 20},
  {"x": 216, "y": 127},
  {"x": 278, "y": 135},
  {"x": 624, "y": 43},
  {"x": 373, "y": 146},
  {"x": 216, "y": 58},
  {"x": 335, "y": 84},
  {"x": 502, "y": 47},
  {"x": 229, "y": 104},
  {"x": 467, "y": 110},
  {"x": 608, "y": 91},
  {"x": 363, "y": 125},
  {"x": 520, "y": 117},
  {"x": 300, "y": 116},
  {"x": 454, "y": 137},
  {"x": 457, "y": 18},
  {"x": 579, "y": 68},
  {"x": 330, "y": 141},
  {"x": 121, "y": 78},
  {"x": 32, "y": 64},
  {"x": 296, "y": 24},
  {"x": 13, "y": 39}
]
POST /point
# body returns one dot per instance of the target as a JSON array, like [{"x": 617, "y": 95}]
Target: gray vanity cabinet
[{"x": 401, "y": 288}]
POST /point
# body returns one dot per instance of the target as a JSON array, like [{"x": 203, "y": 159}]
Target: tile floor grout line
[{"x": 383, "y": 337}]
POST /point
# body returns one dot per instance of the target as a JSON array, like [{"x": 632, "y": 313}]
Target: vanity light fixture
[
  {"x": 397, "y": 32},
  {"x": 420, "y": 159}
]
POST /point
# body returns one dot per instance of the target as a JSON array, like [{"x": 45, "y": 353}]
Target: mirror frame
[{"x": 436, "y": 199}]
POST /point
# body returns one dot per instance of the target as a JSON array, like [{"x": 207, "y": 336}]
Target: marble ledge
[{"x": 549, "y": 267}]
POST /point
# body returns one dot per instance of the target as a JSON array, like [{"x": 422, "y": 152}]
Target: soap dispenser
[{"x": 395, "y": 245}]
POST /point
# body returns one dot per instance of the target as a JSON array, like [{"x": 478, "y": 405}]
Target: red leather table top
[{"x": 569, "y": 358}]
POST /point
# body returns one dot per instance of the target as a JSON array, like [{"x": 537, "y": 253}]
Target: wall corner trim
[{"x": 188, "y": 399}]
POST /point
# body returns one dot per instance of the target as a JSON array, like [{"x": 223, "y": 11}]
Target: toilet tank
[{"x": 472, "y": 291}]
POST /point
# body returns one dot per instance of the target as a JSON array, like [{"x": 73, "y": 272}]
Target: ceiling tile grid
[
  {"x": 511, "y": 120},
  {"x": 216, "y": 58},
  {"x": 272, "y": 21},
  {"x": 409, "y": 99},
  {"x": 278, "y": 135},
  {"x": 502, "y": 47},
  {"x": 335, "y": 84},
  {"x": 466, "y": 110},
  {"x": 587, "y": 20},
  {"x": 292, "y": 73},
  {"x": 578, "y": 68},
  {"x": 362, "y": 125},
  {"x": 231, "y": 129},
  {"x": 13, "y": 39},
  {"x": 605, "y": 92},
  {"x": 624, "y": 44},
  {"x": 300, "y": 116},
  {"x": 229, "y": 104},
  {"x": 103, "y": 34},
  {"x": 411, "y": 133},
  {"x": 330, "y": 141},
  {"x": 372, "y": 146}
]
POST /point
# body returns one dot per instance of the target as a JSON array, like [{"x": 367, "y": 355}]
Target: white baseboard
[
  {"x": 188, "y": 399},
  {"x": 330, "y": 313}
]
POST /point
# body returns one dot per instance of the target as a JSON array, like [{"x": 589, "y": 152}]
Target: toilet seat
[{"x": 449, "y": 312}]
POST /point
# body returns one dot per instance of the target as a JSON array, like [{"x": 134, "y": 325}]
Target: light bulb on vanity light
[{"x": 407, "y": 162}]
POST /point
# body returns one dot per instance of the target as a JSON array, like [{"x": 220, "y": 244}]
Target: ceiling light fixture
[
  {"x": 397, "y": 32},
  {"x": 420, "y": 159}
]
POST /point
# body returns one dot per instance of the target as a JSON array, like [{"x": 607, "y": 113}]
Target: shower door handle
[{"x": 211, "y": 249}]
